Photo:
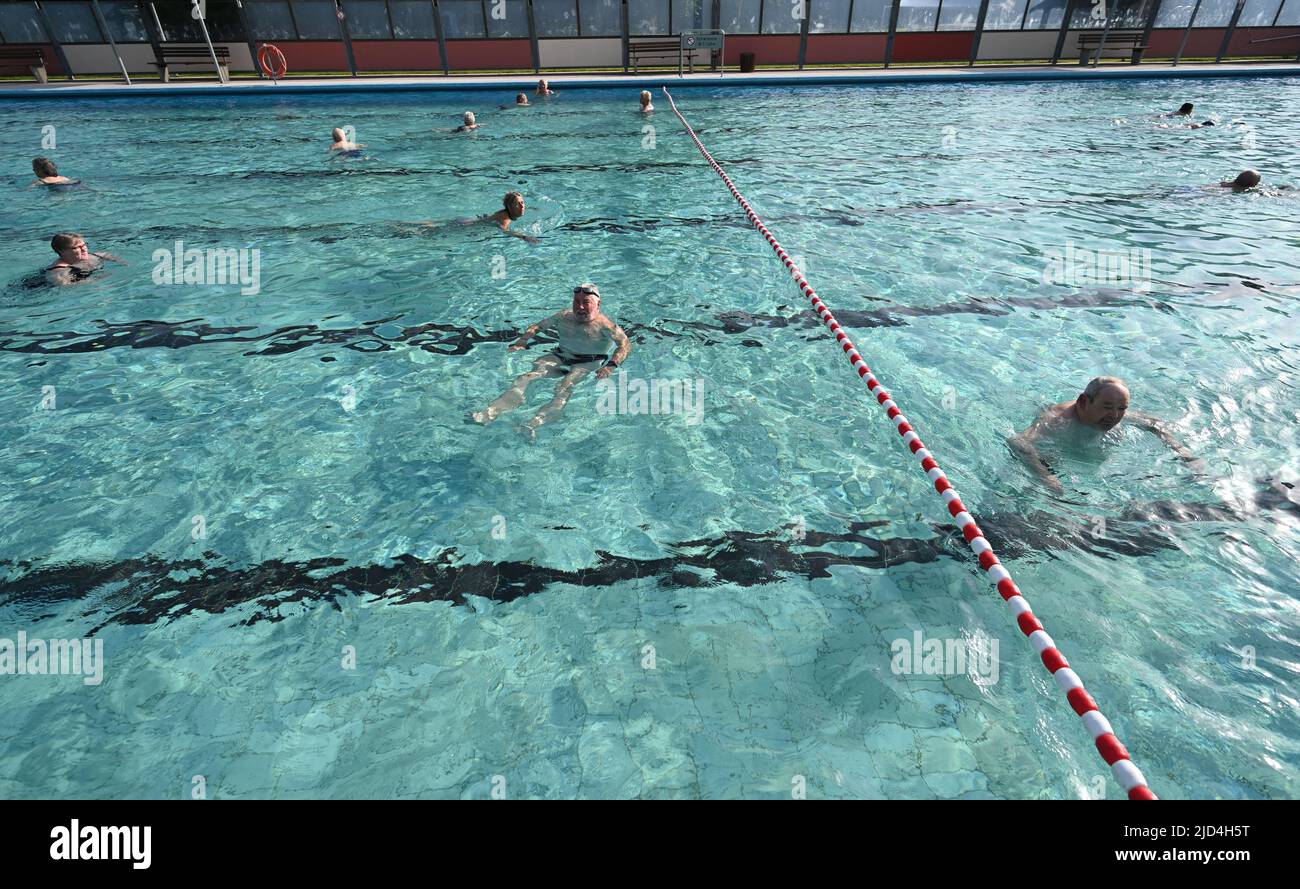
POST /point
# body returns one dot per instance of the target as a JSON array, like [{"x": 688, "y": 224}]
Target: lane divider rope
[{"x": 1108, "y": 745}]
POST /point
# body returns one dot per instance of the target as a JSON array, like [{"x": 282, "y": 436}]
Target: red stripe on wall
[
  {"x": 768, "y": 49},
  {"x": 1241, "y": 45},
  {"x": 483, "y": 54},
  {"x": 845, "y": 48},
  {"x": 1202, "y": 42},
  {"x": 396, "y": 55},
  {"x": 942, "y": 46},
  {"x": 314, "y": 55}
]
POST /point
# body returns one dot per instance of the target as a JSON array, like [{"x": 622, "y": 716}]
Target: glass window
[
  {"x": 1174, "y": 13},
  {"x": 647, "y": 17},
  {"x": 740, "y": 16},
  {"x": 316, "y": 19},
  {"x": 779, "y": 17},
  {"x": 1258, "y": 14},
  {"x": 367, "y": 19},
  {"x": 412, "y": 19},
  {"x": 73, "y": 23},
  {"x": 270, "y": 20},
  {"x": 829, "y": 16},
  {"x": 1045, "y": 15},
  {"x": 1122, "y": 14},
  {"x": 461, "y": 18},
  {"x": 918, "y": 15},
  {"x": 555, "y": 18},
  {"x": 959, "y": 15},
  {"x": 1214, "y": 13},
  {"x": 1005, "y": 15},
  {"x": 1290, "y": 14},
  {"x": 507, "y": 18},
  {"x": 125, "y": 21},
  {"x": 691, "y": 15},
  {"x": 19, "y": 24},
  {"x": 601, "y": 18},
  {"x": 871, "y": 15}
]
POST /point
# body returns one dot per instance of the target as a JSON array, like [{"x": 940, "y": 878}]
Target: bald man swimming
[{"x": 1100, "y": 407}]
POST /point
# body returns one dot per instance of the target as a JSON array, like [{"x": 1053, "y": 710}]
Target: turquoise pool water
[{"x": 644, "y": 605}]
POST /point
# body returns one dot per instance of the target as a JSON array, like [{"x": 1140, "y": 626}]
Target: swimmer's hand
[
  {"x": 605, "y": 372},
  {"x": 518, "y": 345}
]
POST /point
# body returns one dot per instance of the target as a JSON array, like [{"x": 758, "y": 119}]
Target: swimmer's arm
[
  {"x": 111, "y": 257},
  {"x": 1156, "y": 425},
  {"x": 620, "y": 354},
  {"x": 1023, "y": 445},
  {"x": 61, "y": 275},
  {"x": 522, "y": 342}
]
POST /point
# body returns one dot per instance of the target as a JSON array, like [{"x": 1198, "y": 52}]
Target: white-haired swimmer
[
  {"x": 584, "y": 335},
  {"x": 646, "y": 104},
  {"x": 1098, "y": 409}
]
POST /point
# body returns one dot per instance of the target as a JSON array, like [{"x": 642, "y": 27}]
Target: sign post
[{"x": 708, "y": 38}]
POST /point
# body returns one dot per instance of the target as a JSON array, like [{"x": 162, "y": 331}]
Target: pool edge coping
[{"x": 440, "y": 83}]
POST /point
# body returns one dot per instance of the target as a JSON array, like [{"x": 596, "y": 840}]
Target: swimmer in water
[
  {"x": 521, "y": 99},
  {"x": 1185, "y": 110},
  {"x": 646, "y": 104},
  {"x": 469, "y": 124},
  {"x": 1246, "y": 180},
  {"x": 585, "y": 335},
  {"x": 48, "y": 174},
  {"x": 513, "y": 207},
  {"x": 1098, "y": 409},
  {"x": 544, "y": 89},
  {"x": 76, "y": 263},
  {"x": 1204, "y": 123},
  {"x": 341, "y": 142}
]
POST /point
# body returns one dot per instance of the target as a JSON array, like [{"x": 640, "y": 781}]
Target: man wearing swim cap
[
  {"x": 584, "y": 334},
  {"x": 1100, "y": 407}
]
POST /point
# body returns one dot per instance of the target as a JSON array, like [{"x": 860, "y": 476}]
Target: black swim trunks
[{"x": 570, "y": 360}]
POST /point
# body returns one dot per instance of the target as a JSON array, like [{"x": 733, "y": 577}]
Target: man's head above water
[{"x": 1102, "y": 403}]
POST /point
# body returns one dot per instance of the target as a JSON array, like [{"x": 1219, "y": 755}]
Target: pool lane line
[{"x": 1128, "y": 775}]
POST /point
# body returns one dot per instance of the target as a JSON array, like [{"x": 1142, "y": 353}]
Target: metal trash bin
[{"x": 746, "y": 63}]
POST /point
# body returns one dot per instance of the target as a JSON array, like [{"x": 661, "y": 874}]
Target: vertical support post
[
  {"x": 54, "y": 40},
  {"x": 626, "y": 35},
  {"x": 893, "y": 28},
  {"x": 1065, "y": 27},
  {"x": 194, "y": 5},
  {"x": 803, "y": 32},
  {"x": 1105, "y": 32},
  {"x": 442, "y": 43},
  {"x": 103, "y": 26},
  {"x": 532, "y": 36},
  {"x": 248, "y": 36},
  {"x": 345, "y": 36},
  {"x": 1187, "y": 32},
  {"x": 979, "y": 32},
  {"x": 1147, "y": 28},
  {"x": 1232, "y": 26}
]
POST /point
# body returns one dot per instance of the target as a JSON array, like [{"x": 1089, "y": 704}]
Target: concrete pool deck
[{"x": 515, "y": 82}]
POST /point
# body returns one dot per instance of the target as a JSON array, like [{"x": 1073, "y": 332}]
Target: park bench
[
  {"x": 659, "y": 49},
  {"x": 24, "y": 60},
  {"x": 1122, "y": 41},
  {"x": 173, "y": 55}
]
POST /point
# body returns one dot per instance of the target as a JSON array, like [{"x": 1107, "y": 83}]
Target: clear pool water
[{"x": 638, "y": 605}]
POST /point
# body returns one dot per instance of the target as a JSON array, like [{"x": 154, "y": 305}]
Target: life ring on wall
[{"x": 272, "y": 61}]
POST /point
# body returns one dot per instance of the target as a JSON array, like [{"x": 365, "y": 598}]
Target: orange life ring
[{"x": 272, "y": 61}]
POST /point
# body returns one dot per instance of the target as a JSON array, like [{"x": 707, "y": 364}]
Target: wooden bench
[
  {"x": 1090, "y": 42},
  {"x": 660, "y": 49},
  {"x": 24, "y": 60},
  {"x": 175, "y": 55}
]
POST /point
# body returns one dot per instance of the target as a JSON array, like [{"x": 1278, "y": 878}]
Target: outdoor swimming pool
[{"x": 238, "y": 492}]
